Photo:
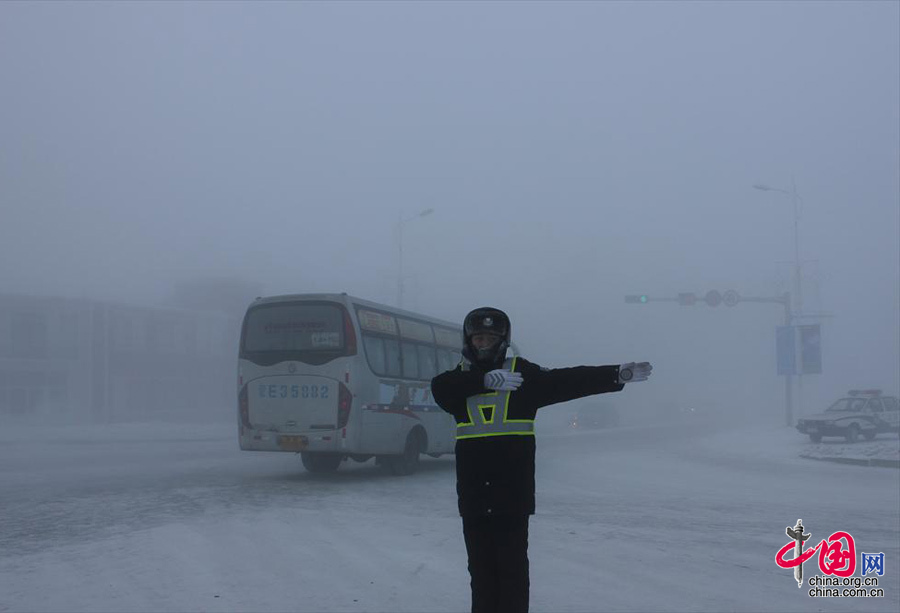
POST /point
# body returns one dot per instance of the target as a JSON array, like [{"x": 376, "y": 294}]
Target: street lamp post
[
  {"x": 797, "y": 311},
  {"x": 400, "y": 223},
  {"x": 795, "y": 198}
]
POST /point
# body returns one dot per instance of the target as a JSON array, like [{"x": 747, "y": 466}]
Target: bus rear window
[{"x": 295, "y": 328}]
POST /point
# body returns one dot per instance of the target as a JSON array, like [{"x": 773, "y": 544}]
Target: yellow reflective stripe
[
  {"x": 492, "y": 407},
  {"x": 464, "y": 436},
  {"x": 471, "y": 421},
  {"x": 482, "y": 429}
]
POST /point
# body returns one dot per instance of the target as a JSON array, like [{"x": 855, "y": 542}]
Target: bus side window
[
  {"x": 445, "y": 360},
  {"x": 375, "y": 353},
  {"x": 410, "y": 361},
  {"x": 427, "y": 365},
  {"x": 392, "y": 354}
]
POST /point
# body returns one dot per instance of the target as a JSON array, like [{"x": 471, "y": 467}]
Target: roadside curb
[{"x": 856, "y": 461}]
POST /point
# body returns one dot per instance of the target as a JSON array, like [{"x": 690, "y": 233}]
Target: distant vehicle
[
  {"x": 332, "y": 377},
  {"x": 862, "y": 412},
  {"x": 596, "y": 416}
]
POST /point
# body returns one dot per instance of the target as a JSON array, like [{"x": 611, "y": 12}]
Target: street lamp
[
  {"x": 400, "y": 224},
  {"x": 792, "y": 194},
  {"x": 798, "y": 296}
]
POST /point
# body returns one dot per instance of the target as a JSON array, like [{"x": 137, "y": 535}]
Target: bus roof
[{"x": 346, "y": 299}]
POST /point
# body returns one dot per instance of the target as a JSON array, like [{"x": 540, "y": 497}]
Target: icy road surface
[{"x": 176, "y": 518}]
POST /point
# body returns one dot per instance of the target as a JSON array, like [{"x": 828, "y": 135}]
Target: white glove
[
  {"x": 502, "y": 380},
  {"x": 633, "y": 372}
]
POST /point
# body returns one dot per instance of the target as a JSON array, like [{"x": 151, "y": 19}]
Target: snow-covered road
[{"x": 175, "y": 518}]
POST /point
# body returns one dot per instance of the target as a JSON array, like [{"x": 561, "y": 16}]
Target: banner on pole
[{"x": 786, "y": 348}]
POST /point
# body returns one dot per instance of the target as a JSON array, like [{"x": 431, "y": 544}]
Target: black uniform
[{"x": 495, "y": 474}]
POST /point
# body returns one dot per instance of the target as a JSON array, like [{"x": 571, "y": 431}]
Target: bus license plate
[{"x": 293, "y": 443}]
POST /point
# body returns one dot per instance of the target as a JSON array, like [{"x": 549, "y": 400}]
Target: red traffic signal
[{"x": 713, "y": 298}]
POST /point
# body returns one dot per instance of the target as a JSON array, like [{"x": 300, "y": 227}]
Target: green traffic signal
[{"x": 637, "y": 299}]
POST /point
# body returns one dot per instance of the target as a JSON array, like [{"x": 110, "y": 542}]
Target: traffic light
[
  {"x": 713, "y": 298},
  {"x": 687, "y": 299},
  {"x": 638, "y": 299}
]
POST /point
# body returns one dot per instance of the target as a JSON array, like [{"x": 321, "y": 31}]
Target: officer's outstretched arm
[{"x": 550, "y": 386}]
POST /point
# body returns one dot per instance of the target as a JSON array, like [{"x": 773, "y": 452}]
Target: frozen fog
[{"x": 164, "y": 164}]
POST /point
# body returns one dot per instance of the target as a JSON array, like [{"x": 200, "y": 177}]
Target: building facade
[{"x": 73, "y": 360}]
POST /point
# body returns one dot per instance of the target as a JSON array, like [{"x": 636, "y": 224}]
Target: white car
[{"x": 862, "y": 412}]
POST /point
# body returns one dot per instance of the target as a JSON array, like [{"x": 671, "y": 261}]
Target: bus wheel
[
  {"x": 321, "y": 462},
  {"x": 408, "y": 462}
]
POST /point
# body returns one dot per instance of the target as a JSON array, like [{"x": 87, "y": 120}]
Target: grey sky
[{"x": 573, "y": 153}]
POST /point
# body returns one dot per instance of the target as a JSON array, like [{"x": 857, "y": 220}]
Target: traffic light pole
[
  {"x": 713, "y": 299},
  {"x": 784, "y": 300},
  {"x": 788, "y": 384},
  {"x": 798, "y": 285}
]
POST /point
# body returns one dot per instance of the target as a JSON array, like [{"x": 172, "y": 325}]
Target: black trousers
[{"x": 498, "y": 562}]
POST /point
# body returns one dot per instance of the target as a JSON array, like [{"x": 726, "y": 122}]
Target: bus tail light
[
  {"x": 345, "y": 399},
  {"x": 349, "y": 334},
  {"x": 244, "y": 407}
]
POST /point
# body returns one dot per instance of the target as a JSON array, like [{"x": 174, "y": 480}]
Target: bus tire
[
  {"x": 408, "y": 462},
  {"x": 321, "y": 462}
]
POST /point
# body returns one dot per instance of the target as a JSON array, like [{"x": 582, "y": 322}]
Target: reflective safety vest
[{"x": 488, "y": 415}]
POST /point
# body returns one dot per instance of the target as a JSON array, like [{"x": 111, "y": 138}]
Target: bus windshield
[{"x": 303, "y": 331}]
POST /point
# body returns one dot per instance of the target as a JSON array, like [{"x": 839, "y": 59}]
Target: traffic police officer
[{"x": 494, "y": 400}]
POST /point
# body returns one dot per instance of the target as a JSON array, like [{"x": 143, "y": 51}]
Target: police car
[{"x": 862, "y": 412}]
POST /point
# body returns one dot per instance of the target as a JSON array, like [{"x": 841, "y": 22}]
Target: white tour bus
[{"x": 332, "y": 377}]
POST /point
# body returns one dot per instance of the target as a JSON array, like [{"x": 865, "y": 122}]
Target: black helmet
[{"x": 486, "y": 320}]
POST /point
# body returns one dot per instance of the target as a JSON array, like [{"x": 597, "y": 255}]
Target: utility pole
[
  {"x": 788, "y": 401},
  {"x": 784, "y": 300},
  {"x": 798, "y": 273}
]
